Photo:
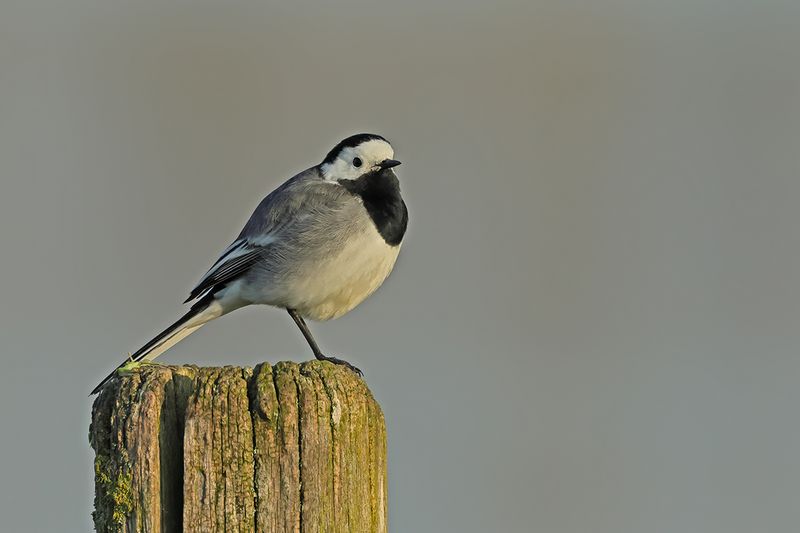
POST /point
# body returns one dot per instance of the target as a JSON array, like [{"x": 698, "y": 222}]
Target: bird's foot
[{"x": 337, "y": 361}]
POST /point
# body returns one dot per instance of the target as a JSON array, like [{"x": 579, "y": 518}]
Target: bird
[{"x": 317, "y": 246}]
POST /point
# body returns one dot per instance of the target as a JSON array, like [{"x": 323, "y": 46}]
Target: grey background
[{"x": 593, "y": 326}]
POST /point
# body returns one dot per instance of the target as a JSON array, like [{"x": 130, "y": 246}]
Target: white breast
[{"x": 337, "y": 284}]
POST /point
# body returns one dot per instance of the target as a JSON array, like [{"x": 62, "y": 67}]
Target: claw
[{"x": 337, "y": 361}]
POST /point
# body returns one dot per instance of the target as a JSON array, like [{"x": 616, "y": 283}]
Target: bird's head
[{"x": 358, "y": 155}]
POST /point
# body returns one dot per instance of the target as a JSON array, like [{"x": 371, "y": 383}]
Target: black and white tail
[{"x": 204, "y": 310}]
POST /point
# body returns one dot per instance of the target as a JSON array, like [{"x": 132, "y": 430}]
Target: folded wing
[
  {"x": 294, "y": 203},
  {"x": 239, "y": 257}
]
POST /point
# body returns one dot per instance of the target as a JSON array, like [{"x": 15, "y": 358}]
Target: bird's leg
[{"x": 314, "y": 347}]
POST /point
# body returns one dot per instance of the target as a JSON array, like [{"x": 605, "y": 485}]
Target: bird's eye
[{"x": 357, "y": 162}]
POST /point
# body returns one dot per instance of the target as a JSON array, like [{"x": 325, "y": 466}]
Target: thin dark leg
[
  {"x": 314, "y": 347},
  {"x": 306, "y": 332}
]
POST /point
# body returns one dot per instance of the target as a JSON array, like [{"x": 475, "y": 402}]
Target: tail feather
[{"x": 200, "y": 313}]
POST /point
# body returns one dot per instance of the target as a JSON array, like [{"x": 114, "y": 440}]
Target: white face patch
[{"x": 369, "y": 153}]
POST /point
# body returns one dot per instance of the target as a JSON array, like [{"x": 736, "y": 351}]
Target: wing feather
[{"x": 227, "y": 270}]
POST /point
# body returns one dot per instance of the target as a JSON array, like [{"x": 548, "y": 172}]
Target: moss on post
[{"x": 290, "y": 447}]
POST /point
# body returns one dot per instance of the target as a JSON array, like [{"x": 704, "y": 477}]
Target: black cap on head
[{"x": 350, "y": 142}]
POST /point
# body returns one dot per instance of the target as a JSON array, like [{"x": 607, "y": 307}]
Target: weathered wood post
[{"x": 289, "y": 448}]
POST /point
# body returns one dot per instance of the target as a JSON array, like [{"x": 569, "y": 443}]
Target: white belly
[{"x": 335, "y": 285}]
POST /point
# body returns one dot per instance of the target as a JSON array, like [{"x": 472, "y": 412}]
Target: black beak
[{"x": 388, "y": 163}]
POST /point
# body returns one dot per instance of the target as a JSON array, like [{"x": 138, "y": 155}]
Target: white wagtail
[{"x": 317, "y": 246}]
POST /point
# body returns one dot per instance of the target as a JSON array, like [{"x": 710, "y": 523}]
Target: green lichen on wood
[
  {"x": 112, "y": 469},
  {"x": 218, "y": 452},
  {"x": 288, "y": 447},
  {"x": 114, "y": 501}
]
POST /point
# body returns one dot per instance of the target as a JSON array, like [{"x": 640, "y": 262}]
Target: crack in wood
[{"x": 284, "y": 448}]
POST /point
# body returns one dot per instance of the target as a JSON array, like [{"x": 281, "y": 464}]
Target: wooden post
[{"x": 289, "y": 448}]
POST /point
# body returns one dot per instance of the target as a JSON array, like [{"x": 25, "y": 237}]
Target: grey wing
[
  {"x": 236, "y": 260},
  {"x": 295, "y": 201}
]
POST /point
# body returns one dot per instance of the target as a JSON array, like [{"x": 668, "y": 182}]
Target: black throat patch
[{"x": 380, "y": 192}]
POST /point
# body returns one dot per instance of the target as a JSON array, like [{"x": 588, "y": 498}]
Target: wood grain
[{"x": 284, "y": 448}]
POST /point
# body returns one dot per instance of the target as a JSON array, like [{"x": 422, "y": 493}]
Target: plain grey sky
[{"x": 594, "y": 323}]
